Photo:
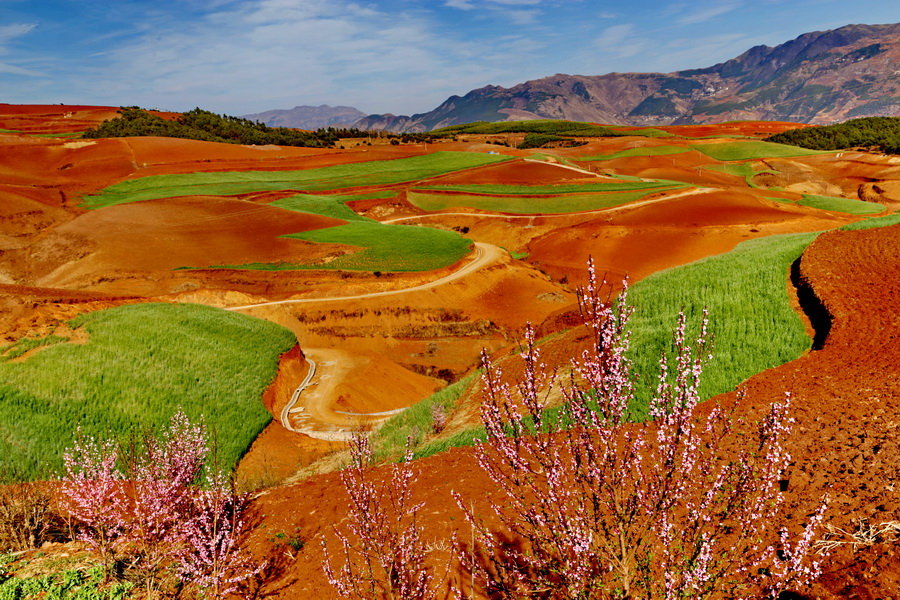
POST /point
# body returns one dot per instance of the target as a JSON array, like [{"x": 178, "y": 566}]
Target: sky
[{"x": 398, "y": 56}]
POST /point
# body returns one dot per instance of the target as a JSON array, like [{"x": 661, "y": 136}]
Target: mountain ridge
[
  {"x": 820, "y": 77},
  {"x": 308, "y": 117}
]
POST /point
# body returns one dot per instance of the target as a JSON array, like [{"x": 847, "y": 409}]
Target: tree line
[{"x": 879, "y": 133}]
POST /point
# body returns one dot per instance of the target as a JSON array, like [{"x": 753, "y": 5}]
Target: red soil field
[{"x": 736, "y": 128}]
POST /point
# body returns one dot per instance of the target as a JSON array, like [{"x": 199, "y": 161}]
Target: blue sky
[{"x": 401, "y": 56}]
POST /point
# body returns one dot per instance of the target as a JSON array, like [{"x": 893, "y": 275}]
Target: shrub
[{"x": 27, "y": 516}]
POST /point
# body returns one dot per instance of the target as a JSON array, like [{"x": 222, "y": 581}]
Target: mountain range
[
  {"x": 820, "y": 77},
  {"x": 309, "y": 117}
]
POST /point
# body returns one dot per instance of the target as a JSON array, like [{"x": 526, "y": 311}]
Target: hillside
[
  {"x": 308, "y": 117},
  {"x": 820, "y": 78}
]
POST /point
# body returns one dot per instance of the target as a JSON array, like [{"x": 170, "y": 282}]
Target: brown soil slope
[{"x": 845, "y": 441}]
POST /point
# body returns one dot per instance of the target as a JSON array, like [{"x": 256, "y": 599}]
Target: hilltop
[{"x": 820, "y": 77}]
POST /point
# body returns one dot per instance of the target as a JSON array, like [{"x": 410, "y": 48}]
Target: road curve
[
  {"x": 285, "y": 412},
  {"x": 485, "y": 254}
]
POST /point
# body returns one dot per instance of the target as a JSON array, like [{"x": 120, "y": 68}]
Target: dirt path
[
  {"x": 484, "y": 255},
  {"x": 569, "y": 167}
]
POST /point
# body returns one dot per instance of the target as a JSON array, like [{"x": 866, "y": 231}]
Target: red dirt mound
[
  {"x": 161, "y": 235},
  {"x": 517, "y": 172},
  {"x": 53, "y": 118}
]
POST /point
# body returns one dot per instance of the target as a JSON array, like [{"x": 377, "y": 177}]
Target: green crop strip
[
  {"x": 650, "y": 132},
  {"x": 844, "y": 205},
  {"x": 745, "y": 170},
  {"x": 383, "y": 248},
  {"x": 727, "y": 151},
  {"x": 380, "y": 172},
  {"x": 140, "y": 364},
  {"x": 329, "y": 205},
  {"x": 519, "y": 205},
  {"x": 633, "y": 152},
  {"x": 549, "y": 190}
]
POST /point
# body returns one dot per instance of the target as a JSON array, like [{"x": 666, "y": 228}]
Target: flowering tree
[
  {"x": 387, "y": 559},
  {"x": 92, "y": 493},
  {"x": 155, "y": 514},
  {"x": 609, "y": 509},
  {"x": 209, "y": 555},
  {"x": 161, "y": 479}
]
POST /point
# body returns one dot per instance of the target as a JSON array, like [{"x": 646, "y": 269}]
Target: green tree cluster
[
  {"x": 882, "y": 133},
  {"x": 199, "y": 124}
]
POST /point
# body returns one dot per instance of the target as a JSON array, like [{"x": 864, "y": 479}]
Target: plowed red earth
[
  {"x": 737, "y": 128},
  {"x": 844, "y": 444}
]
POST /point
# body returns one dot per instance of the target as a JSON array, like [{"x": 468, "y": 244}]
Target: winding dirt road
[{"x": 484, "y": 255}]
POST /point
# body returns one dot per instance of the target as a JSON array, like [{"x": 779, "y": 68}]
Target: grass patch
[
  {"x": 632, "y": 152},
  {"x": 885, "y": 221},
  {"x": 727, "y": 151},
  {"x": 378, "y": 172},
  {"x": 549, "y": 190},
  {"x": 74, "y": 584},
  {"x": 417, "y": 422},
  {"x": 844, "y": 205},
  {"x": 523, "y": 205},
  {"x": 140, "y": 364},
  {"x": 384, "y": 248},
  {"x": 751, "y": 318},
  {"x": 329, "y": 205},
  {"x": 25, "y": 345},
  {"x": 73, "y": 134}
]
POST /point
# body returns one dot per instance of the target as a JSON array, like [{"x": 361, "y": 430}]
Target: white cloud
[
  {"x": 702, "y": 15},
  {"x": 14, "y": 30},
  {"x": 460, "y": 4}
]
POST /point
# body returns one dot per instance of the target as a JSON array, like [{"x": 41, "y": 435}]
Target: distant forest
[
  {"x": 203, "y": 125},
  {"x": 881, "y": 133}
]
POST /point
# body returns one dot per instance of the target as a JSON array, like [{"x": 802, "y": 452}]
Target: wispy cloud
[
  {"x": 620, "y": 40},
  {"x": 518, "y": 12},
  {"x": 8, "y": 34},
  {"x": 701, "y": 15}
]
